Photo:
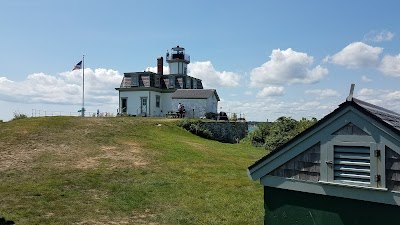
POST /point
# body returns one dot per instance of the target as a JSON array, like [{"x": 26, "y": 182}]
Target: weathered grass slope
[{"x": 68, "y": 170}]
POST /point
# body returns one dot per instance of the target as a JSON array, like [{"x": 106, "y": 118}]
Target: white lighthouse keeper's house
[{"x": 150, "y": 94}]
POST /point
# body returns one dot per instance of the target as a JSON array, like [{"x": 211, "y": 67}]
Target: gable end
[{"x": 350, "y": 129}]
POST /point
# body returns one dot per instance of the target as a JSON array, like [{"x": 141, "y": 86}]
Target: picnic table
[{"x": 171, "y": 114}]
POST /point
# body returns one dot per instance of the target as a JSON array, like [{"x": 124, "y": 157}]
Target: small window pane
[
  {"x": 135, "y": 80},
  {"x": 194, "y": 84},
  {"x": 157, "y": 101},
  {"x": 171, "y": 82},
  {"x": 188, "y": 83}
]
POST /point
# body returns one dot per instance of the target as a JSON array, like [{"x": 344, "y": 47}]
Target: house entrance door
[
  {"x": 124, "y": 105},
  {"x": 143, "y": 108}
]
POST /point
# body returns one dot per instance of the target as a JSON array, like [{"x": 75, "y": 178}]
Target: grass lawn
[{"x": 124, "y": 170}]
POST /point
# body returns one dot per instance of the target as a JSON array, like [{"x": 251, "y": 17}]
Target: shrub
[
  {"x": 195, "y": 127},
  {"x": 185, "y": 124},
  {"x": 257, "y": 136},
  {"x": 276, "y": 134}
]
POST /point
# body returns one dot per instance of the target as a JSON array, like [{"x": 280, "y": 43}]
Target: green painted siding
[{"x": 285, "y": 207}]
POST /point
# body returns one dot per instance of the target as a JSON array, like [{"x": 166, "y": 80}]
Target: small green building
[{"x": 345, "y": 169}]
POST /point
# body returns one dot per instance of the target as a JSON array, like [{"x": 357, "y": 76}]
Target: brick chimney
[{"x": 160, "y": 69}]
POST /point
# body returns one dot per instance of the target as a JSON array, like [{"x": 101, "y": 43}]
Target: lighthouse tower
[{"x": 178, "y": 61}]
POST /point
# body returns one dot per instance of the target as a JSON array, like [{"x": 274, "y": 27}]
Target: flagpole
[{"x": 83, "y": 86}]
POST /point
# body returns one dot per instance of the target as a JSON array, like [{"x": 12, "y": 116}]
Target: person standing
[
  {"x": 183, "y": 111},
  {"x": 180, "y": 110}
]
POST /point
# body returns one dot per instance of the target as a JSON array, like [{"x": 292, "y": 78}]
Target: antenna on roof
[{"x": 350, "y": 97}]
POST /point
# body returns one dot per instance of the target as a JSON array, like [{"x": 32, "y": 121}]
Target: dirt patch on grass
[
  {"x": 87, "y": 163},
  {"x": 18, "y": 157},
  {"x": 103, "y": 222},
  {"x": 128, "y": 154},
  {"x": 27, "y": 155},
  {"x": 137, "y": 218},
  {"x": 144, "y": 217}
]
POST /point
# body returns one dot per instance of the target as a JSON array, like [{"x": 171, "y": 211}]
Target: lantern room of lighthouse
[{"x": 178, "y": 61}]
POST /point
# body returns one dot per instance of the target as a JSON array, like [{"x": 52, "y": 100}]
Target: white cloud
[
  {"x": 65, "y": 88},
  {"x": 356, "y": 55},
  {"x": 307, "y": 106},
  {"x": 272, "y": 108},
  {"x": 365, "y": 79},
  {"x": 366, "y": 92},
  {"x": 248, "y": 93},
  {"x": 390, "y": 65},
  {"x": 389, "y": 99},
  {"x": 287, "y": 67},
  {"x": 393, "y": 96},
  {"x": 376, "y": 36},
  {"x": 212, "y": 78},
  {"x": 154, "y": 69},
  {"x": 271, "y": 91},
  {"x": 323, "y": 93}
]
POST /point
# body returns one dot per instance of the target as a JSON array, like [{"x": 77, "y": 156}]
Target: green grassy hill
[{"x": 69, "y": 170}]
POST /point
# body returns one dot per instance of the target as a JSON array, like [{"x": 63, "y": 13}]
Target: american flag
[{"x": 78, "y": 66}]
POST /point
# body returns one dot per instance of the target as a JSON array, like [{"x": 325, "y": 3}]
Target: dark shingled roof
[
  {"x": 194, "y": 94},
  {"x": 388, "y": 118}
]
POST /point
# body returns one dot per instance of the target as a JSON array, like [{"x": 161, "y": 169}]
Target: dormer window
[
  {"x": 171, "y": 82},
  {"x": 157, "y": 82},
  {"x": 188, "y": 83},
  {"x": 194, "y": 84},
  {"x": 135, "y": 80}
]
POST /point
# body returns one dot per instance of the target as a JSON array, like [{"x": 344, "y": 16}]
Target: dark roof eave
[{"x": 377, "y": 118}]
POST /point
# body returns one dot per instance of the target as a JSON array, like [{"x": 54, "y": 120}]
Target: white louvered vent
[{"x": 352, "y": 164}]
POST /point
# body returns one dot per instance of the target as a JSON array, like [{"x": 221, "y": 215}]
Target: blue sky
[{"x": 265, "y": 58}]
